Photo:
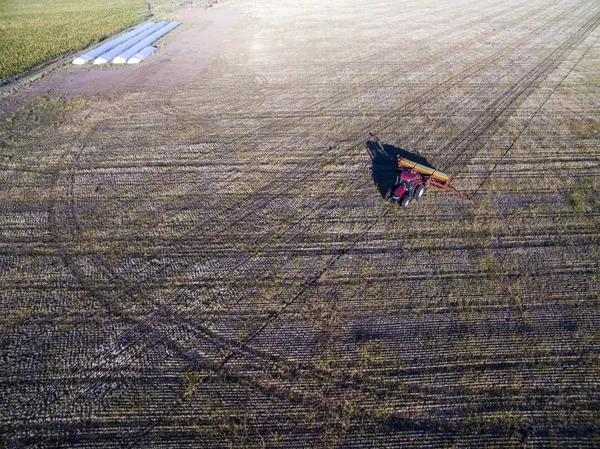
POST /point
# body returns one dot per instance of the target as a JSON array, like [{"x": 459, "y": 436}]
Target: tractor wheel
[
  {"x": 388, "y": 195},
  {"x": 405, "y": 201},
  {"x": 419, "y": 192}
]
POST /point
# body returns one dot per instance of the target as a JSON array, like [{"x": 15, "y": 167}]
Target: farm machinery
[{"x": 412, "y": 179}]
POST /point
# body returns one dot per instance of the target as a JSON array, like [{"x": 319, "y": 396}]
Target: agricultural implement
[{"x": 412, "y": 180}]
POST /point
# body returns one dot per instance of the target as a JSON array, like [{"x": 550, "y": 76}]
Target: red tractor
[
  {"x": 407, "y": 187},
  {"x": 412, "y": 179}
]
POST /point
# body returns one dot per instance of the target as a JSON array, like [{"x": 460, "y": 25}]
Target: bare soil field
[{"x": 200, "y": 255}]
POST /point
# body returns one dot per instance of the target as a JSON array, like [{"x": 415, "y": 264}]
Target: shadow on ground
[{"x": 384, "y": 163}]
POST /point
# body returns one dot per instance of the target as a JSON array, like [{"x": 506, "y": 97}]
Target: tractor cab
[
  {"x": 407, "y": 178},
  {"x": 407, "y": 186}
]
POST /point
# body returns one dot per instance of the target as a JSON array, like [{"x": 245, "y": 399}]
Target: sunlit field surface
[{"x": 213, "y": 265}]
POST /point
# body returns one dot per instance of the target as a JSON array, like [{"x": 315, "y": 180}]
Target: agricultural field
[
  {"x": 196, "y": 252},
  {"x": 33, "y": 32}
]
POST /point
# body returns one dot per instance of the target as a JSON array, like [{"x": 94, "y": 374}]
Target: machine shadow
[{"x": 384, "y": 163}]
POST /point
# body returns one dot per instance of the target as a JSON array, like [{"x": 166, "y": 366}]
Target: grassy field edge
[{"x": 73, "y": 25}]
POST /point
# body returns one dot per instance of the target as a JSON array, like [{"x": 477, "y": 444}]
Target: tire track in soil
[
  {"x": 548, "y": 63},
  {"x": 382, "y": 80},
  {"x": 582, "y": 173},
  {"x": 297, "y": 371},
  {"x": 309, "y": 174},
  {"x": 246, "y": 215},
  {"x": 466, "y": 145},
  {"x": 241, "y": 346},
  {"x": 296, "y": 224},
  {"x": 275, "y": 384},
  {"x": 287, "y": 367},
  {"x": 283, "y": 122},
  {"x": 414, "y": 106},
  {"x": 235, "y": 206},
  {"x": 71, "y": 224},
  {"x": 144, "y": 336}
]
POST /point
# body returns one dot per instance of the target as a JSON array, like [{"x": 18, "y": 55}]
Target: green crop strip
[{"x": 33, "y": 32}]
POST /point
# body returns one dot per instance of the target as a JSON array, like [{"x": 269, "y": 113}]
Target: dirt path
[{"x": 182, "y": 56}]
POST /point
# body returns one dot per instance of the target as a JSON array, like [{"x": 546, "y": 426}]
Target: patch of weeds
[
  {"x": 583, "y": 198},
  {"x": 586, "y": 129},
  {"x": 373, "y": 353},
  {"x": 515, "y": 291},
  {"x": 44, "y": 111}
]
